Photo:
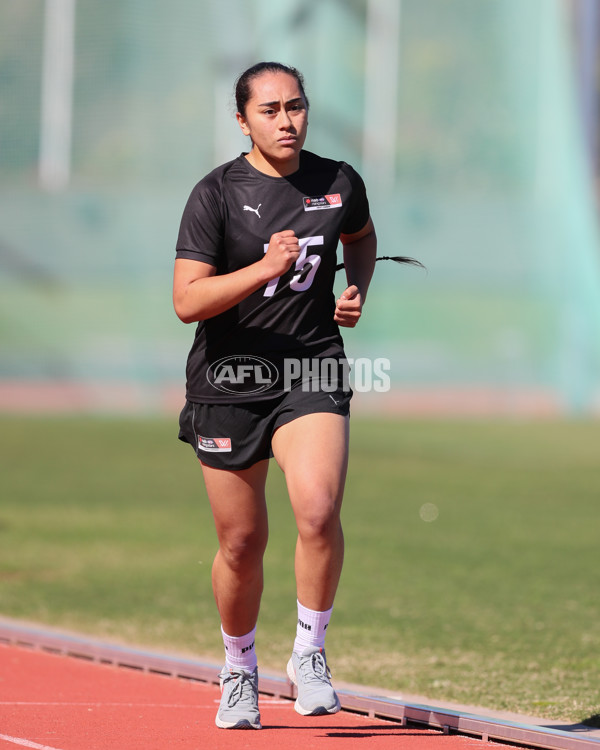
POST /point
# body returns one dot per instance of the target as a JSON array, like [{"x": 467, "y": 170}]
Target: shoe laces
[
  {"x": 314, "y": 668},
  {"x": 244, "y": 690}
]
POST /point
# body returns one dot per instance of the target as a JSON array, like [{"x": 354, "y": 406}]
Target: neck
[{"x": 272, "y": 167}]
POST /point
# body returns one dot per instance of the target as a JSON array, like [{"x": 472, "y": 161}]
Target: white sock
[
  {"x": 240, "y": 651},
  {"x": 311, "y": 628}
]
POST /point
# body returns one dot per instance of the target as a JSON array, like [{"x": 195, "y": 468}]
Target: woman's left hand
[{"x": 348, "y": 308}]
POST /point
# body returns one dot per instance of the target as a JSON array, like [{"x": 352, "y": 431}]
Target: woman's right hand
[{"x": 282, "y": 252}]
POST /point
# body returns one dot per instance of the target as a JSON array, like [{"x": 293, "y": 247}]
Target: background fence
[{"x": 461, "y": 115}]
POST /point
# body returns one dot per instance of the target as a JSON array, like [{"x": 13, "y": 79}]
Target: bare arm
[
  {"x": 198, "y": 293},
  {"x": 360, "y": 250}
]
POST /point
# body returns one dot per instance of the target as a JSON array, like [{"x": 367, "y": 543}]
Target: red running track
[{"x": 53, "y": 702}]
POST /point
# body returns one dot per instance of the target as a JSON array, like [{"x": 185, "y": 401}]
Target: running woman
[{"x": 266, "y": 375}]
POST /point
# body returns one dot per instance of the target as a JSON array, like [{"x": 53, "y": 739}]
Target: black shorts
[{"x": 235, "y": 437}]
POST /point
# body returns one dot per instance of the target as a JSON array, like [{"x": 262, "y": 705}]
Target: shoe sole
[
  {"x": 241, "y": 724},
  {"x": 318, "y": 710}
]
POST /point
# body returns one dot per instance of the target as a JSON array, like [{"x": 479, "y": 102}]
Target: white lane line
[
  {"x": 26, "y": 743},
  {"x": 98, "y": 704}
]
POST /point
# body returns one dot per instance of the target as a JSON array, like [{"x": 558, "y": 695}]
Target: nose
[{"x": 285, "y": 121}]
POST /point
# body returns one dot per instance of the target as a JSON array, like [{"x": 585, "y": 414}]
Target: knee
[
  {"x": 243, "y": 551},
  {"x": 321, "y": 521}
]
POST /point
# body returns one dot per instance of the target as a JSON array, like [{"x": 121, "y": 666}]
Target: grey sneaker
[
  {"x": 311, "y": 675},
  {"x": 239, "y": 700}
]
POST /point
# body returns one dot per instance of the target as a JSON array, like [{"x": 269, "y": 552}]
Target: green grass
[{"x": 105, "y": 530}]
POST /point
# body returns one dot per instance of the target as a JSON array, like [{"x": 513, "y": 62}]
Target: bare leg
[
  {"x": 313, "y": 453},
  {"x": 239, "y": 509}
]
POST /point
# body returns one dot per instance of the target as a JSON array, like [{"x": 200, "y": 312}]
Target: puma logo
[{"x": 254, "y": 210}]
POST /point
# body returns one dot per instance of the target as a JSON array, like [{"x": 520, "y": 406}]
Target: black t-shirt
[{"x": 228, "y": 222}]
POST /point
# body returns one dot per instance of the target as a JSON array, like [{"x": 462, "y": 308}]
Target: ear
[{"x": 242, "y": 123}]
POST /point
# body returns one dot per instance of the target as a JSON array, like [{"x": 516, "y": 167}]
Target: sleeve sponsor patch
[{"x": 322, "y": 202}]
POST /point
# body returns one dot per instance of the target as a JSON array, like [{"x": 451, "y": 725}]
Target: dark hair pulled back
[{"x": 243, "y": 85}]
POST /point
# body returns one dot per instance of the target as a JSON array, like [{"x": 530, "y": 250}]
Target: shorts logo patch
[
  {"x": 214, "y": 445},
  {"x": 322, "y": 202}
]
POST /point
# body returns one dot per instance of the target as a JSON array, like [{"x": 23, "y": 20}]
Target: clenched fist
[
  {"x": 282, "y": 252},
  {"x": 348, "y": 308}
]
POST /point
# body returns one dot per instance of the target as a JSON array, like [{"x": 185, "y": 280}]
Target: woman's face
[{"x": 276, "y": 120}]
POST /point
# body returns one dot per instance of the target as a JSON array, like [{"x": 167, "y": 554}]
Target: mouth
[{"x": 287, "y": 140}]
